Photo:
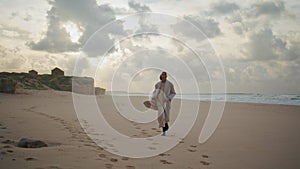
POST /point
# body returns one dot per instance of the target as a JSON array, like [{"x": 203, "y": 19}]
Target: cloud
[
  {"x": 224, "y": 7},
  {"x": 138, "y": 7},
  {"x": 147, "y": 53},
  {"x": 262, "y": 14},
  {"x": 262, "y": 50},
  {"x": 13, "y": 32},
  {"x": 269, "y": 8},
  {"x": 155, "y": 60},
  {"x": 262, "y": 11},
  {"x": 144, "y": 25},
  {"x": 208, "y": 26},
  {"x": 11, "y": 59},
  {"x": 264, "y": 45},
  {"x": 91, "y": 18},
  {"x": 28, "y": 17},
  {"x": 293, "y": 45},
  {"x": 66, "y": 62},
  {"x": 263, "y": 77},
  {"x": 261, "y": 45},
  {"x": 56, "y": 39},
  {"x": 256, "y": 36},
  {"x": 121, "y": 11},
  {"x": 14, "y": 14}
]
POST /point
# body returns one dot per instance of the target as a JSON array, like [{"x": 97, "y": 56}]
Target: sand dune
[{"x": 249, "y": 136}]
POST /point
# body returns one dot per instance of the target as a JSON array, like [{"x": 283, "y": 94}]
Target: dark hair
[{"x": 161, "y": 74}]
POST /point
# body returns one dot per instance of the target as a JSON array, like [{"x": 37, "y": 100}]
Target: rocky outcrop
[
  {"x": 99, "y": 91},
  {"x": 7, "y": 85},
  {"x": 83, "y": 85},
  {"x": 63, "y": 83},
  {"x": 9, "y": 82}
]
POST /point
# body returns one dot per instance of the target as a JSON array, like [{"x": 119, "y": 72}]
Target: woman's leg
[{"x": 166, "y": 127}]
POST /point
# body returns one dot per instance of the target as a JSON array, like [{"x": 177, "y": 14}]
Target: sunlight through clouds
[{"x": 73, "y": 30}]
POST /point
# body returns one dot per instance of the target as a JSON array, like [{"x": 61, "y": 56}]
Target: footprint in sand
[
  {"x": 130, "y": 167},
  {"x": 114, "y": 160},
  {"x": 9, "y": 151},
  {"x": 163, "y": 154},
  {"x": 205, "y": 156},
  {"x": 110, "y": 145},
  {"x": 125, "y": 158},
  {"x": 53, "y": 167},
  {"x": 152, "y": 148},
  {"x": 204, "y": 162},
  {"x": 30, "y": 159},
  {"x": 8, "y": 142},
  {"x": 89, "y": 145},
  {"x": 165, "y": 162},
  {"x": 100, "y": 148},
  {"x": 7, "y": 146},
  {"x": 192, "y": 150},
  {"x": 109, "y": 166},
  {"x": 102, "y": 155}
]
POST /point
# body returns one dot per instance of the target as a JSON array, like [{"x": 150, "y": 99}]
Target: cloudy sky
[{"x": 236, "y": 46}]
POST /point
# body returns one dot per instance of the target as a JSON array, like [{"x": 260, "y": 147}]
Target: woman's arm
[{"x": 172, "y": 92}]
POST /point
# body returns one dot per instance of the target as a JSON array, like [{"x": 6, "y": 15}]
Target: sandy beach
[{"x": 248, "y": 136}]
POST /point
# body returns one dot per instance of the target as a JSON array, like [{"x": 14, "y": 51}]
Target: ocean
[{"x": 286, "y": 99}]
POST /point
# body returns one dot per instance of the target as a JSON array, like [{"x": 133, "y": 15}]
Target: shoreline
[
  {"x": 227, "y": 101},
  {"x": 296, "y": 102}
]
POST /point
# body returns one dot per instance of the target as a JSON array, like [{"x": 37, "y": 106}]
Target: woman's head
[{"x": 163, "y": 76}]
